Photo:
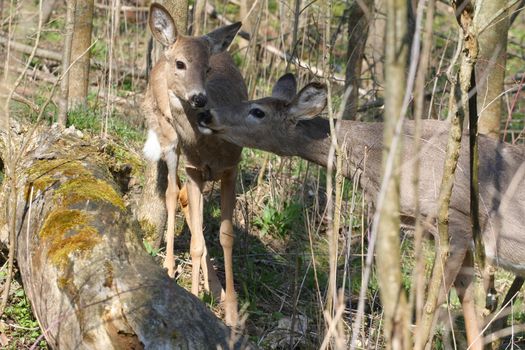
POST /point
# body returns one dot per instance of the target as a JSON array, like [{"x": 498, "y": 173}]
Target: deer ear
[
  {"x": 222, "y": 37},
  {"x": 309, "y": 102},
  {"x": 162, "y": 25},
  {"x": 285, "y": 87}
]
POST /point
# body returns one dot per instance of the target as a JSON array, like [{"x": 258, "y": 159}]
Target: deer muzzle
[
  {"x": 198, "y": 100},
  {"x": 205, "y": 118}
]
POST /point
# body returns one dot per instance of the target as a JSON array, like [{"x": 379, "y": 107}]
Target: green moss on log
[
  {"x": 67, "y": 231},
  {"x": 86, "y": 188},
  {"x": 45, "y": 173}
]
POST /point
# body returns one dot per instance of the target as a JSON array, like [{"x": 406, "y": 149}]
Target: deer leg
[
  {"x": 197, "y": 245},
  {"x": 465, "y": 289},
  {"x": 172, "y": 195},
  {"x": 227, "y": 239},
  {"x": 183, "y": 201},
  {"x": 209, "y": 275}
]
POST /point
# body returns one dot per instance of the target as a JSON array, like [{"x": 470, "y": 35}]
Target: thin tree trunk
[
  {"x": 178, "y": 10},
  {"x": 490, "y": 67},
  {"x": 84, "y": 269},
  {"x": 47, "y": 9},
  {"x": 66, "y": 59},
  {"x": 151, "y": 210},
  {"x": 248, "y": 20},
  {"x": 417, "y": 291},
  {"x": 80, "y": 54},
  {"x": 458, "y": 106},
  {"x": 199, "y": 13},
  {"x": 359, "y": 16},
  {"x": 376, "y": 43},
  {"x": 388, "y": 253}
]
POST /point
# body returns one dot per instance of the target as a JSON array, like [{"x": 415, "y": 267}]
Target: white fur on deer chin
[{"x": 152, "y": 150}]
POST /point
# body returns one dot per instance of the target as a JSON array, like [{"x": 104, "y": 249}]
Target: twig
[
  {"x": 335, "y": 78},
  {"x": 56, "y": 56},
  {"x": 19, "y": 98},
  {"x": 11, "y": 172}
]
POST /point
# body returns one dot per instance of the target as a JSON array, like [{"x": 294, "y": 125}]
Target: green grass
[
  {"x": 24, "y": 330},
  {"x": 90, "y": 119},
  {"x": 279, "y": 222}
]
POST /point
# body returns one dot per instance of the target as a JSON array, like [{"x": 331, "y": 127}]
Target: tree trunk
[
  {"x": 79, "y": 72},
  {"x": 248, "y": 21},
  {"x": 178, "y": 9},
  {"x": 358, "y": 23},
  {"x": 376, "y": 44},
  {"x": 151, "y": 210},
  {"x": 66, "y": 59},
  {"x": 490, "y": 67},
  {"x": 388, "y": 253},
  {"x": 90, "y": 282},
  {"x": 199, "y": 12},
  {"x": 47, "y": 10}
]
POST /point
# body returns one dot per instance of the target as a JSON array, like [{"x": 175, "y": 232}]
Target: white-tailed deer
[
  {"x": 194, "y": 72},
  {"x": 286, "y": 124}
]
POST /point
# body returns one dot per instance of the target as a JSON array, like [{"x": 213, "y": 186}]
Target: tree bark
[
  {"x": 90, "y": 282},
  {"x": 151, "y": 210},
  {"x": 199, "y": 12},
  {"x": 80, "y": 54},
  {"x": 388, "y": 251},
  {"x": 376, "y": 43},
  {"x": 66, "y": 59},
  {"x": 179, "y": 11},
  {"x": 47, "y": 10},
  {"x": 358, "y": 23},
  {"x": 490, "y": 67}
]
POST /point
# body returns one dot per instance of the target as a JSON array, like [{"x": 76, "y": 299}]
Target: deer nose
[
  {"x": 198, "y": 100},
  {"x": 205, "y": 118}
]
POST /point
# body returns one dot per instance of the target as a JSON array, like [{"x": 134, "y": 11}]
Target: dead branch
[{"x": 318, "y": 72}]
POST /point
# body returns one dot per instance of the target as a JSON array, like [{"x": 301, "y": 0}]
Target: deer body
[
  {"x": 500, "y": 163},
  {"x": 209, "y": 153},
  {"x": 194, "y": 72},
  {"x": 286, "y": 124}
]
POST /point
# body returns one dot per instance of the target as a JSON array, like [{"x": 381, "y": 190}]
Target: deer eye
[
  {"x": 180, "y": 65},
  {"x": 257, "y": 113},
  {"x": 208, "y": 70}
]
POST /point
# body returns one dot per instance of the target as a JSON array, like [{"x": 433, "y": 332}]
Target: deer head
[
  {"x": 188, "y": 58},
  {"x": 269, "y": 123}
]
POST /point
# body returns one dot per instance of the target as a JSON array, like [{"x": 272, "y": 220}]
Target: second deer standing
[
  {"x": 286, "y": 124},
  {"x": 194, "y": 72}
]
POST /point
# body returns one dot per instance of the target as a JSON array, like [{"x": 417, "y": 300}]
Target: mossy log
[{"x": 90, "y": 282}]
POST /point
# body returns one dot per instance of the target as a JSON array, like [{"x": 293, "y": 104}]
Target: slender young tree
[
  {"x": 388, "y": 255},
  {"x": 80, "y": 53},
  {"x": 179, "y": 11},
  {"x": 359, "y": 15},
  {"x": 151, "y": 210},
  {"x": 63, "y": 104},
  {"x": 490, "y": 67}
]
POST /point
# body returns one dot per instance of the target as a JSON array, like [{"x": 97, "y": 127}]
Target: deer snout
[
  {"x": 205, "y": 118},
  {"x": 198, "y": 100},
  {"x": 204, "y": 121}
]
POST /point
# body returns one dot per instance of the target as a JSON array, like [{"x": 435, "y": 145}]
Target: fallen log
[{"x": 90, "y": 282}]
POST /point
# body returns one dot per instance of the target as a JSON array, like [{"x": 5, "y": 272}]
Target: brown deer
[
  {"x": 286, "y": 124},
  {"x": 194, "y": 72}
]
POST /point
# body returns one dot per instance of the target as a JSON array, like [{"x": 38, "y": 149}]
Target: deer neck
[{"x": 356, "y": 140}]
